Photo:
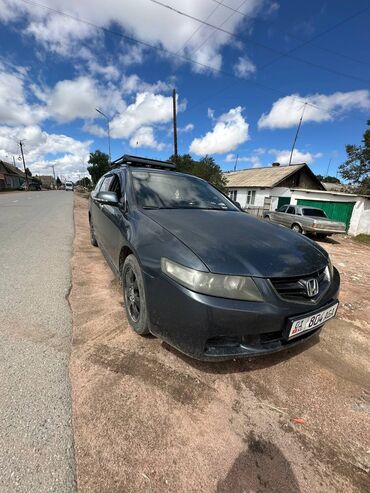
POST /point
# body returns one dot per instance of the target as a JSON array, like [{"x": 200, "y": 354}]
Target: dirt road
[{"x": 147, "y": 418}]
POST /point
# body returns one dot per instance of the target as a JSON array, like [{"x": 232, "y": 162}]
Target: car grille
[{"x": 293, "y": 288}]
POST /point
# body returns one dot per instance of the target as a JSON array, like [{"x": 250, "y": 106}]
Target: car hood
[{"x": 230, "y": 242}]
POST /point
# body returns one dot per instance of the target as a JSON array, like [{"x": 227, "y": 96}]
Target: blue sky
[{"x": 241, "y": 88}]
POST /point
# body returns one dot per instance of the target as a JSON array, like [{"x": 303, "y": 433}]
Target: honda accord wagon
[{"x": 199, "y": 273}]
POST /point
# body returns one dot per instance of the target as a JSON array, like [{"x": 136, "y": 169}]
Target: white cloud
[
  {"x": 286, "y": 112},
  {"x": 147, "y": 109},
  {"x": 14, "y": 108},
  {"x": 244, "y": 68},
  {"x": 144, "y": 137},
  {"x": 94, "y": 129},
  {"x": 282, "y": 156},
  {"x": 146, "y": 21},
  {"x": 43, "y": 150},
  {"x": 133, "y": 83},
  {"x": 188, "y": 128},
  {"x": 230, "y": 130},
  {"x": 261, "y": 157},
  {"x": 71, "y": 99}
]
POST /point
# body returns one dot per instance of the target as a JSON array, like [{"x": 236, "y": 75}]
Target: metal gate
[{"x": 338, "y": 211}]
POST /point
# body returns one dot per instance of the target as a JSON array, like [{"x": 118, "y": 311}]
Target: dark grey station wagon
[{"x": 201, "y": 274}]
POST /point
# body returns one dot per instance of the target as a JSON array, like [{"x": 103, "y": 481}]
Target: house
[
  {"x": 47, "y": 181},
  {"x": 11, "y": 177},
  {"x": 267, "y": 188}
]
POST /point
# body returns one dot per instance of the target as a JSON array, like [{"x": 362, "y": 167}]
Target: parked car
[
  {"x": 31, "y": 186},
  {"x": 303, "y": 219},
  {"x": 68, "y": 186},
  {"x": 212, "y": 281}
]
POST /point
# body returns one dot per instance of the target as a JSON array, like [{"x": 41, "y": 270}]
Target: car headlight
[{"x": 234, "y": 287}]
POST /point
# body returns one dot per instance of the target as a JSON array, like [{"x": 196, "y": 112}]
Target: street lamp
[{"x": 105, "y": 116}]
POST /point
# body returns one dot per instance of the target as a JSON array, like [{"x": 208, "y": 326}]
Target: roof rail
[{"x": 142, "y": 162}]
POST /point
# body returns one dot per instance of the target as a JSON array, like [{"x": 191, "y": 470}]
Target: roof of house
[
  {"x": 10, "y": 169},
  {"x": 269, "y": 176}
]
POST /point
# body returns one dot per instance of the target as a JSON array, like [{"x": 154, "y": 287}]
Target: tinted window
[
  {"x": 291, "y": 210},
  {"x": 115, "y": 186},
  {"x": 313, "y": 212},
  {"x": 283, "y": 208},
  {"x": 98, "y": 185},
  {"x": 174, "y": 191}
]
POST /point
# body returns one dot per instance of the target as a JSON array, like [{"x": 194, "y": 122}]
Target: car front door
[
  {"x": 115, "y": 221},
  {"x": 289, "y": 216},
  {"x": 97, "y": 216},
  {"x": 278, "y": 215}
]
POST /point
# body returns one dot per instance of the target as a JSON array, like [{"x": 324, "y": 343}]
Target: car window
[
  {"x": 283, "y": 208},
  {"x": 106, "y": 183},
  {"x": 115, "y": 186},
  {"x": 98, "y": 185},
  {"x": 291, "y": 210},
  {"x": 175, "y": 191},
  {"x": 313, "y": 212}
]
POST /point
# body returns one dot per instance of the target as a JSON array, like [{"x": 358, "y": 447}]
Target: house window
[
  {"x": 233, "y": 194},
  {"x": 251, "y": 197}
]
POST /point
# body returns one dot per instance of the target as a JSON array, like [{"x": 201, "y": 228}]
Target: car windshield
[
  {"x": 155, "y": 190},
  {"x": 313, "y": 213}
]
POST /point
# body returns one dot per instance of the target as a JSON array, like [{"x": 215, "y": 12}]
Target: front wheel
[
  {"x": 134, "y": 296},
  {"x": 296, "y": 228}
]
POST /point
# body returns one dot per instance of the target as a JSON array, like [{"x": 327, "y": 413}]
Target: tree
[
  {"x": 357, "y": 166},
  {"x": 28, "y": 172},
  {"x": 84, "y": 182},
  {"x": 205, "y": 168},
  {"x": 58, "y": 182},
  {"x": 99, "y": 165},
  {"x": 328, "y": 179}
]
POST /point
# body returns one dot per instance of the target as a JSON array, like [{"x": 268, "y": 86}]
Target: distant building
[
  {"x": 259, "y": 190},
  {"x": 11, "y": 177}
]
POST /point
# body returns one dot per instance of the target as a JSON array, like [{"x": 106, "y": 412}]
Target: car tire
[
  {"x": 296, "y": 227},
  {"x": 93, "y": 239},
  {"x": 268, "y": 218},
  {"x": 134, "y": 296},
  {"x": 321, "y": 236}
]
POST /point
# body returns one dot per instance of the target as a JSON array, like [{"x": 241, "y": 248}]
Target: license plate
[{"x": 311, "y": 322}]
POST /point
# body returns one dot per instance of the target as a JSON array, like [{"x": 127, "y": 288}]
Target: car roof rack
[{"x": 142, "y": 162}]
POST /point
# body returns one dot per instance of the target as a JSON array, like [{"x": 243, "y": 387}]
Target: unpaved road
[
  {"x": 36, "y": 443},
  {"x": 147, "y": 418}
]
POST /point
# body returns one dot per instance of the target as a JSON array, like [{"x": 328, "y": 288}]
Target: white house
[{"x": 267, "y": 188}]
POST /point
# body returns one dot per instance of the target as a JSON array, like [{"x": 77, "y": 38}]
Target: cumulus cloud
[
  {"x": 244, "y": 67},
  {"x": 230, "y": 130},
  {"x": 144, "y": 137},
  {"x": 286, "y": 111},
  {"x": 147, "y": 109},
  {"x": 43, "y": 149},
  {"x": 187, "y": 128},
  {"x": 262, "y": 157},
  {"x": 133, "y": 83},
  {"x": 148, "y": 23}
]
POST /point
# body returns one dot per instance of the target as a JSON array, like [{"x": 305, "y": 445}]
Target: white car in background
[{"x": 69, "y": 186}]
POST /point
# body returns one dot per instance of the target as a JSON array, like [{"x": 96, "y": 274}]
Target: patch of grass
[{"x": 362, "y": 238}]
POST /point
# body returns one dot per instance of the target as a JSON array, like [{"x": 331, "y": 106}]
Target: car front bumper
[{"x": 210, "y": 328}]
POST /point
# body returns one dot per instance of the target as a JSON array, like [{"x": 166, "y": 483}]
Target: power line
[
  {"x": 309, "y": 41},
  {"x": 256, "y": 43},
  {"x": 158, "y": 48}
]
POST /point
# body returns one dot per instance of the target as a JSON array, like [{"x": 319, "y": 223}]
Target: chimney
[{"x": 275, "y": 165}]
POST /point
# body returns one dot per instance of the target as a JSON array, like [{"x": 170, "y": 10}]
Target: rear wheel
[
  {"x": 92, "y": 235},
  {"x": 268, "y": 218},
  {"x": 296, "y": 228},
  {"x": 134, "y": 296}
]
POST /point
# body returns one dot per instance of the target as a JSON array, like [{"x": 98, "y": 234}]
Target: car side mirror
[{"x": 107, "y": 198}]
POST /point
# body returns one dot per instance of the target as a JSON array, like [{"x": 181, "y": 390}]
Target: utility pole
[
  {"x": 327, "y": 171},
  {"x": 174, "y": 123},
  {"x": 236, "y": 162},
  {"x": 55, "y": 183},
  {"x": 24, "y": 164},
  {"x": 108, "y": 127},
  {"x": 296, "y": 135}
]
